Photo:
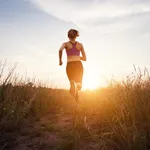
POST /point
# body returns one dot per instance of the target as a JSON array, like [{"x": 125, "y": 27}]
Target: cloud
[{"x": 97, "y": 14}]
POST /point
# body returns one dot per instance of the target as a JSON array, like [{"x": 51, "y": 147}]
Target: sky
[{"x": 115, "y": 35}]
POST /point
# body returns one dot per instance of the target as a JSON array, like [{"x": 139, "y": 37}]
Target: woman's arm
[
  {"x": 83, "y": 54},
  {"x": 60, "y": 53}
]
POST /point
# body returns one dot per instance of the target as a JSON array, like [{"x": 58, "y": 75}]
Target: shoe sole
[{"x": 79, "y": 86}]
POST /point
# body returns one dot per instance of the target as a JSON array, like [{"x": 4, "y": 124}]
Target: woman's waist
[{"x": 73, "y": 58}]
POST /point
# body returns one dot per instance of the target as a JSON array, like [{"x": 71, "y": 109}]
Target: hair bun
[{"x": 72, "y": 33}]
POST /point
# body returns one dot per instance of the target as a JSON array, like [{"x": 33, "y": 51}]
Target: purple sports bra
[{"x": 73, "y": 51}]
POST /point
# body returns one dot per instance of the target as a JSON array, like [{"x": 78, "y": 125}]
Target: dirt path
[
  {"x": 47, "y": 133},
  {"x": 51, "y": 132}
]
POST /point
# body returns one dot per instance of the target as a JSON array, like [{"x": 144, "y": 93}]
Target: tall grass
[
  {"x": 20, "y": 98},
  {"x": 122, "y": 113},
  {"x": 118, "y": 115}
]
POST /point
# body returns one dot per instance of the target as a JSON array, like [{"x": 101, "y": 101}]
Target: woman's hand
[
  {"x": 60, "y": 53},
  {"x": 83, "y": 58},
  {"x": 60, "y": 62}
]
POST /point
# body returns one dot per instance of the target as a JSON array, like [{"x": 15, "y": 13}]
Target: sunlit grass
[{"x": 118, "y": 115}]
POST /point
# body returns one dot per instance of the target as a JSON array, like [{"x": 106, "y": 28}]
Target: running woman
[{"x": 74, "y": 67}]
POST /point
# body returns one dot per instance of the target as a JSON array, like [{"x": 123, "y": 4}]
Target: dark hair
[{"x": 72, "y": 33}]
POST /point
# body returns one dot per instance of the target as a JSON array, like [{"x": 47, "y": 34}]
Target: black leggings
[{"x": 74, "y": 70}]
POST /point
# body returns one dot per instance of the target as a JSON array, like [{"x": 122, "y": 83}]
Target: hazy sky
[{"x": 115, "y": 35}]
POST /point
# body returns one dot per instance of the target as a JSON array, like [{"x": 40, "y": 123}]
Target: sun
[{"x": 90, "y": 81}]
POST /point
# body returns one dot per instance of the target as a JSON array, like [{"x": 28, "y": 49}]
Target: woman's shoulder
[
  {"x": 78, "y": 43},
  {"x": 66, "y": 43}
]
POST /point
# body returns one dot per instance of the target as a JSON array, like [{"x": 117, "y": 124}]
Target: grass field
[{"x": 35, "y": 117}]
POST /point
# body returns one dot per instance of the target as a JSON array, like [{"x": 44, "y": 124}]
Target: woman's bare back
[{"x": 69, "y": 46}]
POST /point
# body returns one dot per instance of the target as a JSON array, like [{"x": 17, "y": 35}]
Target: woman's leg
[
  {"x": 72, "y": 88},
  {"x": 78, "y": 78},
  {"x": 79, "y": 75},
  {"x": 70, "y": 69},
  {"x": 74, "y": 72}
]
